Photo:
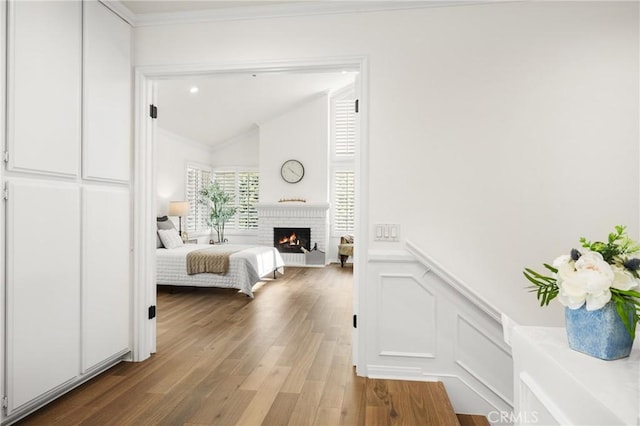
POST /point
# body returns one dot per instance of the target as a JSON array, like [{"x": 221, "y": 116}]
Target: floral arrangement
[{"x": 595, "y": 275}]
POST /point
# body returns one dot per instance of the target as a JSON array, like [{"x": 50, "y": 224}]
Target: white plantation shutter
[
  {"x": 227, "y": 182},
  {"x": 244, "y": 186},
  {"x": 344, "y": 201},
  {"x": 343, "y": 144},
  {"x": 345, "y": 127},
  {"x": 248, "y": 186},
  {"x": 198, "y": 213}
]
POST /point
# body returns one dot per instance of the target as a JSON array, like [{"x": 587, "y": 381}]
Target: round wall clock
[{"x": 292, "y": 171}]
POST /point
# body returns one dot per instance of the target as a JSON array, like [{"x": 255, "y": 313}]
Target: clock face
[{"x": 292, "y": 171}]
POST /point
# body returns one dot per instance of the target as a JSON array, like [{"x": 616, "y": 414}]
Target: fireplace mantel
[{"x": 288, "y": 207}]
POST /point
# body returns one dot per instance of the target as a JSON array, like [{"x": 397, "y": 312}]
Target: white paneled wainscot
[
  {"x": 424, "y": 324},
  {"x": 68, "y": 222}
]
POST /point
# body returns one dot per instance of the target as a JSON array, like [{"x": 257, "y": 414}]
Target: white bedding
[{"x": 246, "y": 266}]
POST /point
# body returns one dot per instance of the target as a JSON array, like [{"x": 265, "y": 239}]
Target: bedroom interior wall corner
[{"x": 173, "y": 154}]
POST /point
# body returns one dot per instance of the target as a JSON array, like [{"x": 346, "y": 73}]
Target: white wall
[
  {"x": 301, "y": 134},
  {"x": 499, "y": 133},
  {"x": 174, "y": 153},
  {"x": 241, "y": 151}
]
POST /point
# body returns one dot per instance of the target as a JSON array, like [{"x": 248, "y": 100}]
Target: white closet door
[
  {"x": 44, "y": 70},
  {"x": 43, "y": 288},
  {"x": 106, "y": 274},
  {"x": 107, "y": 95}
]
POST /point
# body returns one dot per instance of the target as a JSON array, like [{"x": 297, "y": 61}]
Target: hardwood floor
[{"x": 283, "y": 358}]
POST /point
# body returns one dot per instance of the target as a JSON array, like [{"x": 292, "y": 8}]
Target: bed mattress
[{"x": 247, "y": 265}]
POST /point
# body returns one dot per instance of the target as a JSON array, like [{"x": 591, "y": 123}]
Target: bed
[{"x": 247, "y": 265}]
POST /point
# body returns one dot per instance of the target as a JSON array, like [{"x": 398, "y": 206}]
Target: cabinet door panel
[
  {"x": 107, "y": 95},
  {"x": 45, "y": 63},
  {"x": 106, "y": 279},
  {"x": 43, "y": 288}
]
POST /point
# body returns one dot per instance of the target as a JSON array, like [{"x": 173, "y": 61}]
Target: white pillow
[{"x": 170, "y": 238}]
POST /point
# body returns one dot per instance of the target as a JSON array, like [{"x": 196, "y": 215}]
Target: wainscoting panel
[
  {"x": 406, "y": 318},
  {"x": 421, "y": 326},
  {"x": 476, "y": 352}
]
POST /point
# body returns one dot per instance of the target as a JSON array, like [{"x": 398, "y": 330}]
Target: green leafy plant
[
  {"x": 599, "y": 273},
  {"x": 220, "y": 203}
]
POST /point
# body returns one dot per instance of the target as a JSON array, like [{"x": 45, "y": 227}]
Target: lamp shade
[{"x": 178, "y": 208}]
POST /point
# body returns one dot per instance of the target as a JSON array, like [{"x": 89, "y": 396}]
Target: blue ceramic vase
[{"x": 599, "y": 333}]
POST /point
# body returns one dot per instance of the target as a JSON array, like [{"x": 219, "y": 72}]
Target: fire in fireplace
[{"x": 292, "y": 240}]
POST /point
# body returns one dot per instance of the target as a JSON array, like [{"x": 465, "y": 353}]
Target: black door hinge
[
  {"x": 153, "y": 111},
  {"x": 355, "y": 321},
  {"x": 152, "y": 311},
  {"x": 357, "y": 106}
]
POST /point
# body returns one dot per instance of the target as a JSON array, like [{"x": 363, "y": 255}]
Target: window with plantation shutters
[
  {"x": 344, "y": 201},
  {"x": 248, "y": 186},
  {"x": 345, "y": 127},
  {"x": 343, "y": 149},
  {"x": 245, "y": 188},
  {"x": 197, "y": 178}
]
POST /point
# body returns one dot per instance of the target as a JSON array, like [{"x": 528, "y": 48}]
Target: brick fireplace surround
[{"x": 292, "y": 215}]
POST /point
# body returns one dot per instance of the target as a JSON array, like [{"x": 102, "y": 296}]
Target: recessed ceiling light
[{"x": 194, "y": 89}]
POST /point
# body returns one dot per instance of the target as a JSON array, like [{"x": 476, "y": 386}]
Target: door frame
[{"x": 144, "y": 185}]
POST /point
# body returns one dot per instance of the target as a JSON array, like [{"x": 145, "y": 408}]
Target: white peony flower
[
  {"x": 623, "y": 279},
  {"x": 598, "y": 300},
  {"x": 594, "y": 273},
  {"x": 562, "y": 260},
  {"x": 585, "y": 281},
  {"x": 572, "y": 301}
]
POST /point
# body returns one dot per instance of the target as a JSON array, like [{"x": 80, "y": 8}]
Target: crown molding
[
  {"x": 121, "y": 10},
  {"x": 287, "y": 10}
]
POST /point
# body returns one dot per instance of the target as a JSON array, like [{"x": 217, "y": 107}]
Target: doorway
[{"x": 145, "y": 167}]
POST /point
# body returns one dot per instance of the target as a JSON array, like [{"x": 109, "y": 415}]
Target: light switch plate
[{"x": 387, "y": 232}]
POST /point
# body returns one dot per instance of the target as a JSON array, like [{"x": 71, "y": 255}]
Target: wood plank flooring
[{"x": 283, "y": 358}]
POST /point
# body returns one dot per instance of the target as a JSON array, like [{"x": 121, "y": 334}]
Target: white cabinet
[
  {"x": 105, "y": 274},
  {"x": 43, "y": 288},
  {"x": 555, "y": 385},
  {"x": 44, "y": 86},
  {"x": 68, "y": 237},
  {"x": 107, "y": 95}
]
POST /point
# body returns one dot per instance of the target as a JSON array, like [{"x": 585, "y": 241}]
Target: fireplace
[{"x": 292, "y": 240}]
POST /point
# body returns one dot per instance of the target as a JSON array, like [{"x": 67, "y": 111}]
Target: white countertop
[{"x": 616, "y": 384}]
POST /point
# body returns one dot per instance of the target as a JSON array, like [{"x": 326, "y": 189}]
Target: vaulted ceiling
[{"x": 227, "y": 106}]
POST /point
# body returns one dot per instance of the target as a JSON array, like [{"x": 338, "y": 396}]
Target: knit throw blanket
[{"x": 209, "y": 260}]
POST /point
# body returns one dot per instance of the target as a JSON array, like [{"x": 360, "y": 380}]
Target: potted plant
[
  {"x": 598, "y": 285},
  {"x": 221, "y": 211}
]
